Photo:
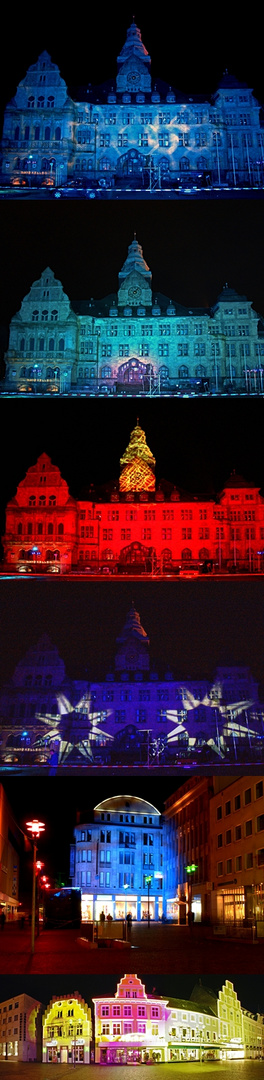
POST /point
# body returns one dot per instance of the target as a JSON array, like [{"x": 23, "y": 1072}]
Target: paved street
[
  {"x": 158, "y": 948},
  {"x": 217, "y": 1070}
]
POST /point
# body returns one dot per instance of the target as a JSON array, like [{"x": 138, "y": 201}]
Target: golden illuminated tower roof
[{"x": 137, "y": 464}]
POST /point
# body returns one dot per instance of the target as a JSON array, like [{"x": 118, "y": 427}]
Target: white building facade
[{"x": 20, "y": 1029}]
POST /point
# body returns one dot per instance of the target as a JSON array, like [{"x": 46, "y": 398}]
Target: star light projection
[
  {"x": 137, "y": 464},
  {"x": 74, "y": 728},
  {"x": 218, "y": 721}
]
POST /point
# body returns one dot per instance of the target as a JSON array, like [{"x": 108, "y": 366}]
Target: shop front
[
  {"x": 231, "y": 905},
  {"x": 132, "y": 1055},
  {"x": 125, "y": 905},
  {"x": 87, "y": 907}
]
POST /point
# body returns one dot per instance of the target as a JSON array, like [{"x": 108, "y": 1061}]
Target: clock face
[
  {"x": 134, "y": 291},
  {"x": 130, "y": 657},
  {"x": 133, "y": 78}
]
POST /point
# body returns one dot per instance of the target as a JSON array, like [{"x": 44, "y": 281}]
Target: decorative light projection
[
  {"x": 73, "y": 728},
  {"x": 218, "y": 726},
  {"x": 137, "y": 464}
]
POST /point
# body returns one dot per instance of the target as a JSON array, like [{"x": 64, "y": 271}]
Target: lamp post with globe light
[{"x": 35, "y": 828}]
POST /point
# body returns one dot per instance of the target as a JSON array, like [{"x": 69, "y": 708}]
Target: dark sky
[
  {"x": 192, "y": 58},
  {"x": 191, "y": 249},
  {"x": 196, "y": 443},
  {"x": 54, "y": 801},
  {"x": 194, "y": 626},
  {"x": 249, "y": 988}
]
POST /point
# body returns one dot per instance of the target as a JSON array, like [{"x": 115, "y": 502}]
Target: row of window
[
  {"x": 240, "y": 831},
  {"x": 249, "y": 795},
  {"x": 237, "y": 864}
]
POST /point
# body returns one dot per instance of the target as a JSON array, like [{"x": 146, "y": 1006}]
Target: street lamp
[
  {"x": 148, "y": 880},
  {"x": 35, "y": 828}
]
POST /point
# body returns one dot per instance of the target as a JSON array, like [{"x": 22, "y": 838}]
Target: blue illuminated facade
[
  {"x": 132, "y": 131},
  {"x": 118, "y": 861}
]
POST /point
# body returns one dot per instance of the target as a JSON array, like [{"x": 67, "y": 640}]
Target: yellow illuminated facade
[
  {"x": 137, "y": 464},
  {"x": 67, "y": 1031}
]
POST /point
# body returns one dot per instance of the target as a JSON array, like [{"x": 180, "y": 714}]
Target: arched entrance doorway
[
  {"x": 135, "y": 373},
  {"x": 135, "y": 558}
]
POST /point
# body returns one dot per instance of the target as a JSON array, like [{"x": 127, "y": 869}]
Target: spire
[
  {"x": 134, "y": 64},
  {"x": 135, "y": 278},
  {"x": 132, "y": 645},
  {"x": 133, "y": 46},
  {"x": 135, "y": 262},
  {"x": 137, "y": 464}
]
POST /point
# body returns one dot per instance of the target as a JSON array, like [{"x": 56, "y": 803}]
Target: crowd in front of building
[{"x": 131, "y": 1027}]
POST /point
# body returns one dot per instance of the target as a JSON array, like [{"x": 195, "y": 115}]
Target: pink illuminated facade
[{"x": 130, "y": 1028}]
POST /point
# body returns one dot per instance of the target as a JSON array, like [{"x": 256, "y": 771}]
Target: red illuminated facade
[{"x": 136, "y": 526}]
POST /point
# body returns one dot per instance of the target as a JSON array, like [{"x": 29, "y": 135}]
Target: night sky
[
  {"x": 192, "y": 58},
  {"x": 191, "y": 249},
  {"x": 249, "y": 988},
  {"x": 196, "y": 443}
]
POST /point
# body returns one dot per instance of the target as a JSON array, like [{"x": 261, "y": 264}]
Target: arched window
[
  {"x": 164, "y": 372},
  {"x": 31, "y": 102},
  {"x": 37, "y": 133},
  {"x": 183, "y": 372},
  {"x": 61, "y": 345},
  {"x": 22, "y": 344},
  {"x": 40, "y": 102},
  {"x": 105, "y": 164},
  {"x": 204, "y": 554},
  {"x": 32, "y": 500},
  {"x": 19, "y": 528},
  {"x": 41, "y": 344},
  {"x": 35, "y": 315},
  {"x": 200, "y": 371},
  {"x": 44, "y": 316},
  {"x": 47, "y": 134},
  {"x": 50, "y": 102},
  {"x": 16, "y": 135},
  {"x": 54, "y": 315},
  {"x": 186, "y": 554},
  {"x": 184, "y": 164},
  {"x": 107, "y": 555},
  {"x": 31, "y": 344},
  {"x": 60, "y": 528},
  {"x": 26, "y": 133},
  {"x": 106, "y": 372},
  {"x": 50, "y": 528},
  {"x": 51, "y": 345},
  {"x": 57, "y": 134},
  {"x": 52, "y": 500},
  {"x": 42, "y": 500}
]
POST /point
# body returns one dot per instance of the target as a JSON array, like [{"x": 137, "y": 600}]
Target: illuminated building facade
[
  {"x": 67, "y": 1031},
  {"x": 130, "y": 1028},
  {"x": 133, "y": 1027},
  {"x": 132, "y": 716},
  {"x": 136, "y": 526},
  {"x": 117, "y": 860},
  {"x": 20, "y": 1029},
  {"x": 214, "y": 835},
  {"x": 134, "y": 341},
  {"x": 130, "y": 132},
  {"x": 10, "y": 848},
  {"x": 237, "y": 851}
]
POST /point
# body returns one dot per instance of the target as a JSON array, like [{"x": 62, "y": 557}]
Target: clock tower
[
  {"x": 135, "y": 279},
  {"x": 133, "y": 65}
]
